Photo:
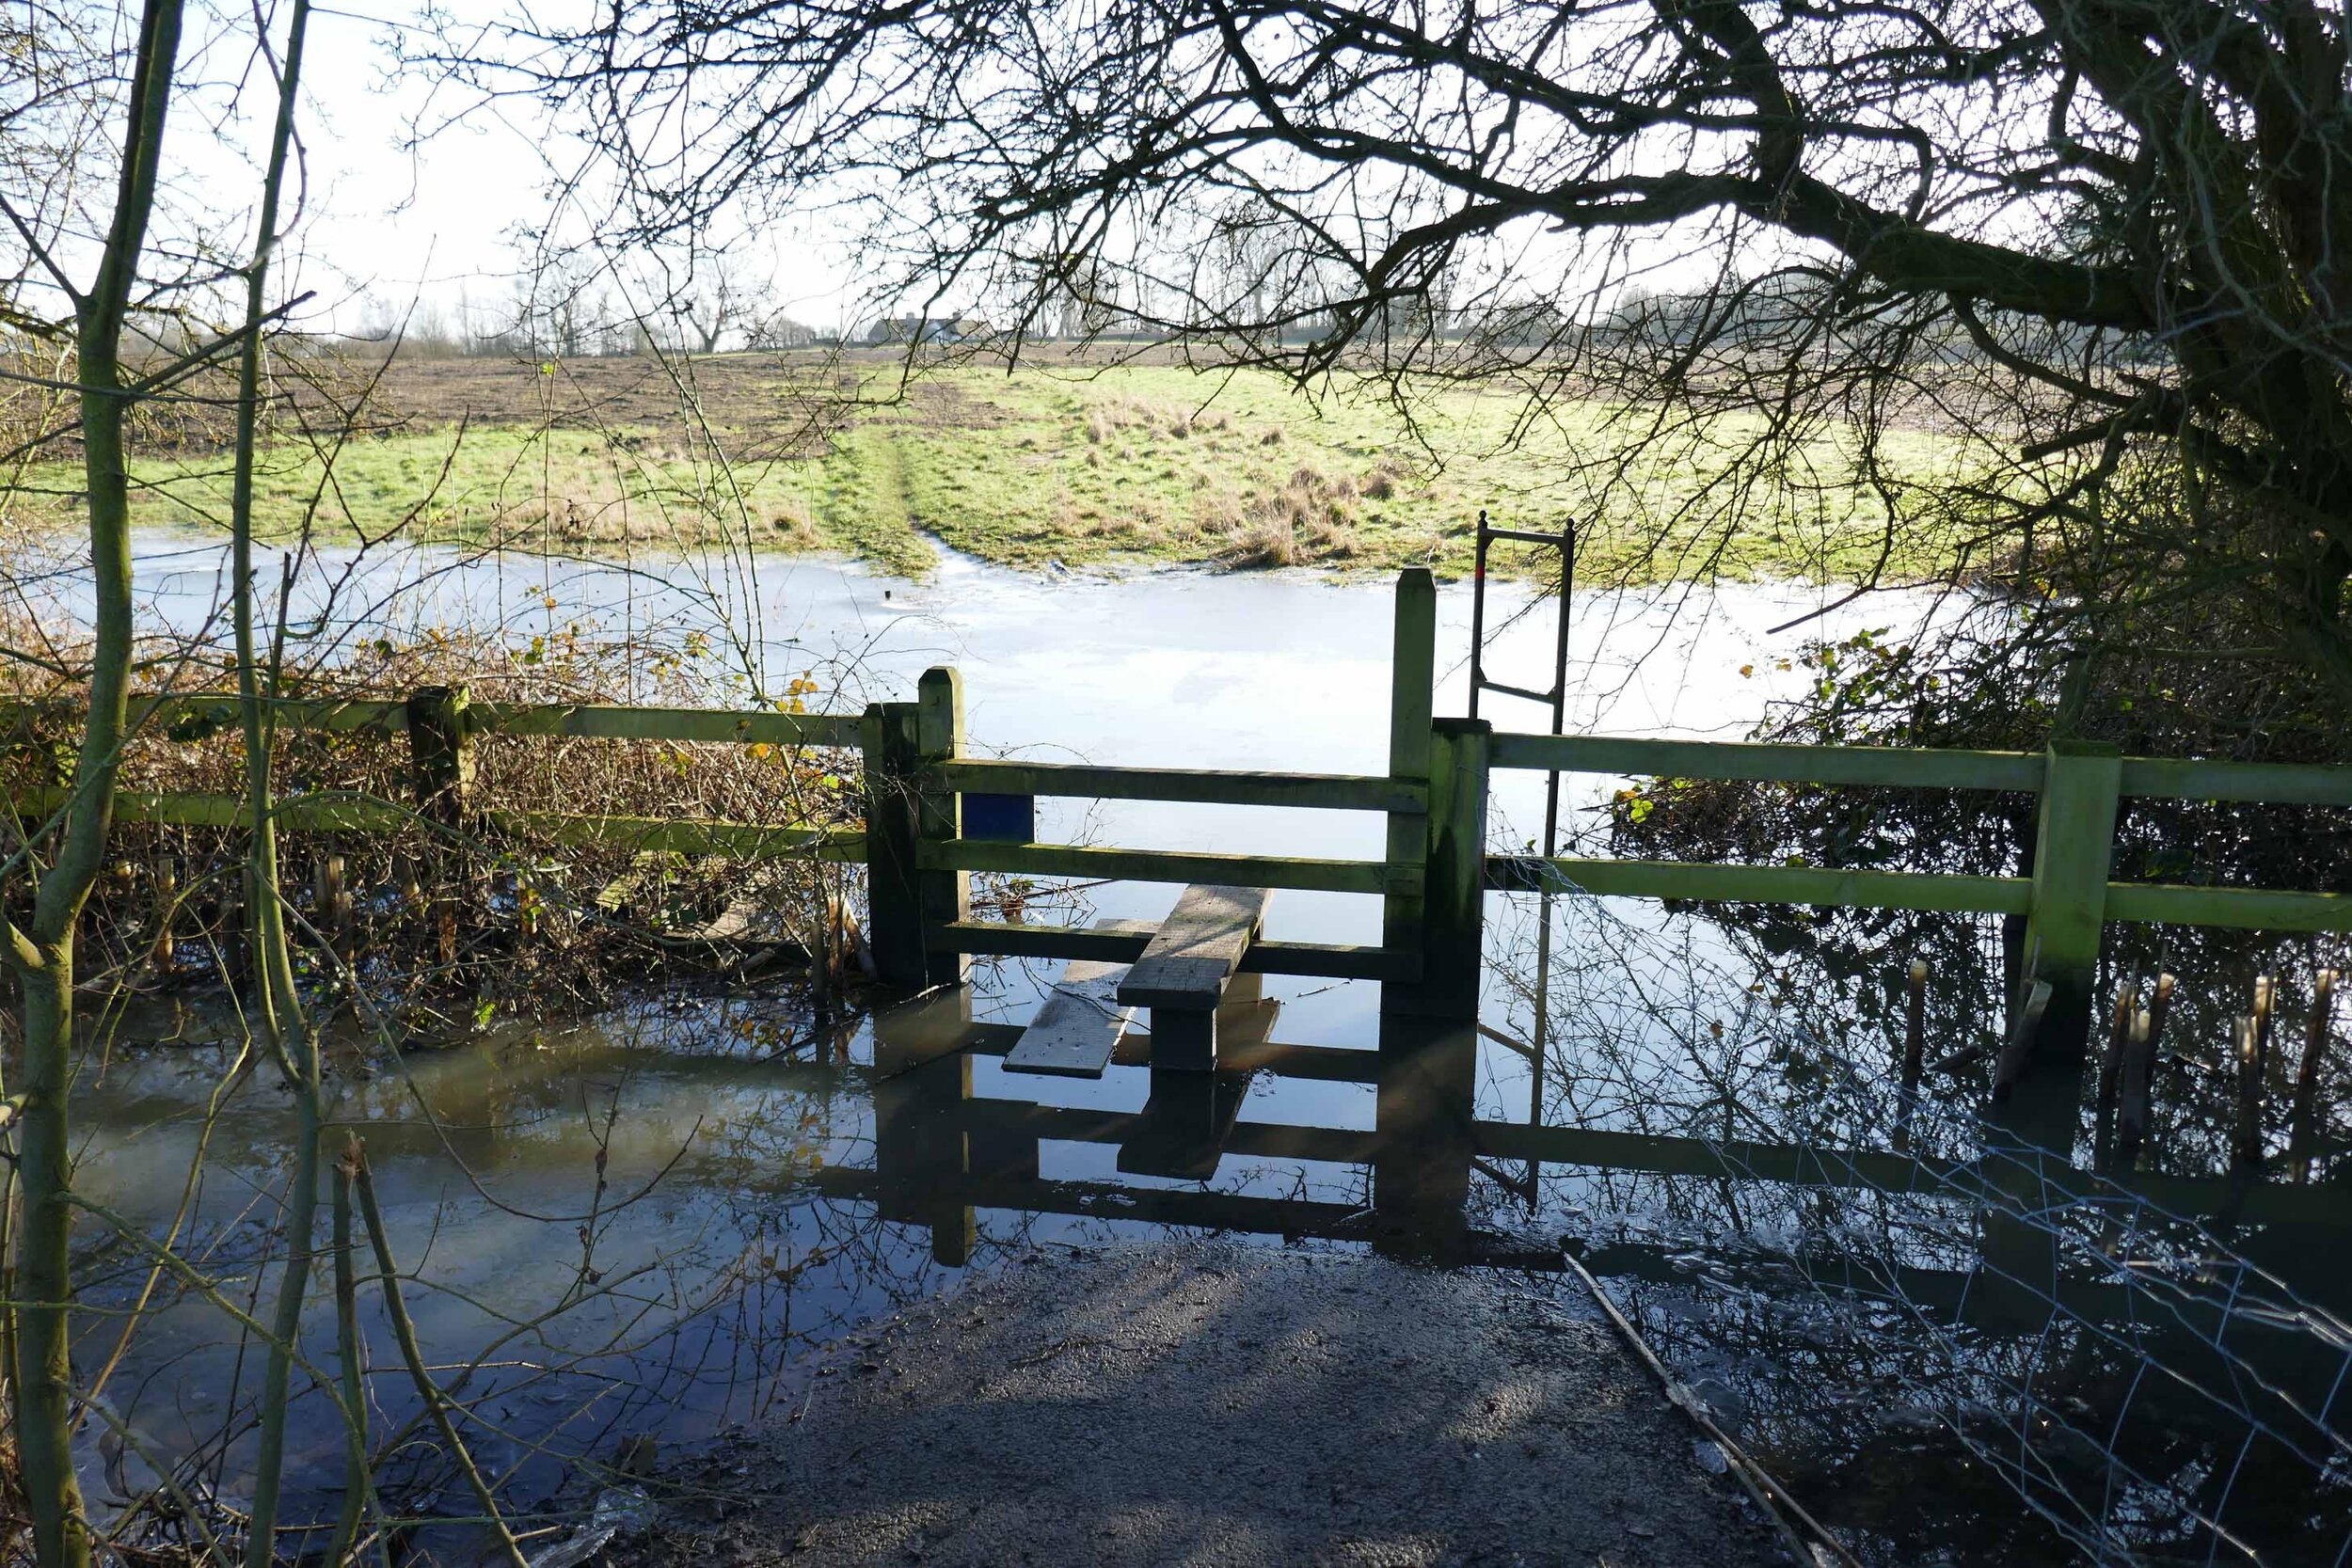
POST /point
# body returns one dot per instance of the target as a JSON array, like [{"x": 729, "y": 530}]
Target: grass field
[{"x": 1080, "y": 465}]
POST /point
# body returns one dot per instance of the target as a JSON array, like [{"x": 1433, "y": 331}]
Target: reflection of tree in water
[
  {"x": 1680, "y": 1026},
  {"x": 1976, "y": 690},
  {"x": 1971, "y": 1360}
]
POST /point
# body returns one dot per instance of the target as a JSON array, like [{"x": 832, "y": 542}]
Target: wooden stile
[{"x": 1429, "y": 876}]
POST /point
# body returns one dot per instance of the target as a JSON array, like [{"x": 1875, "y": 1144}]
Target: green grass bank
[{"x": 1125, "y": 465}]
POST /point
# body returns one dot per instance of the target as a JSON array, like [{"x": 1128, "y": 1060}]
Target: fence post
[
  {"x": 2303, "y": 1129},
  {"x": 904, "y": 808},
  {"x": 440, "y": 755},
  {"x": 2074, "y": 853},
  {"x": 164, "y": 951},
  {"x": 1412, "y": 676},
  {"x": 441, "y": 752},
  {"x": 893, "y": 917},
  {"x": 1453, "y": 878},
  {"x": 943, "y": 895}
]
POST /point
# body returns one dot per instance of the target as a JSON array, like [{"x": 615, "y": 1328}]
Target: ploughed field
[{"x": 1057, "y": 462}]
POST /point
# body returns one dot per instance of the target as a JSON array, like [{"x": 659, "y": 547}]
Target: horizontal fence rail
[
  {"x": 2137, "y": 903},
  {"x": 2019, "y": 772},
  {"x": 2275, "y": 783},
  {"x": 916, "y": 774},
  {"x": 1330, "y": 791},
  {"x": 1769, "y": 762},
  {"x": 1169, "y": 865},
  {"x": 362, "y": 814},
  {"x": 1763, "y": 884},
  {"x": 2245, "y": 909},
  {"x": 841, "y": 731},
  {"x": 209, "y": 712}
]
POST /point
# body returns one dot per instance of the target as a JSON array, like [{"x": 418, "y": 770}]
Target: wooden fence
[{"x": 920, "y": 776}]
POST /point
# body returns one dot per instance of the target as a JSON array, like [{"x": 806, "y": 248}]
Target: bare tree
[
  {"x": 778, "y": 329},
  {"x": 41, "y": 951},
  {"x": 560, "y": 305},
  {"x": 2107, "y": 242},
  {"x": 720, "y": 297}
]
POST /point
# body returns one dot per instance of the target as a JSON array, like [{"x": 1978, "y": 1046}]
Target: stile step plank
[
  {"x": 1079, "y": 1026},
  {"x": 1197, "y": 949}
]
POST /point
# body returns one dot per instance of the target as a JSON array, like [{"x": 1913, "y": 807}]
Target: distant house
[{"x": 919, "y": 328}]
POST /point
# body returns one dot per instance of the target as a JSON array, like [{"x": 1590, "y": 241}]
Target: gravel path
[{"x": 1207, "y": 1404}]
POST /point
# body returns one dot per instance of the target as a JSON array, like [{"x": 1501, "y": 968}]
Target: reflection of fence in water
[{"x": 2086, "y": 1339}]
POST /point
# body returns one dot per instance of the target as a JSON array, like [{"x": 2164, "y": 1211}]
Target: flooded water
[{"x": 643, "y": 1223}]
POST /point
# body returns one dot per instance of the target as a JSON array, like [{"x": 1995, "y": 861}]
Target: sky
[
  {"x": 389, "y": 220},
  {"x": 419, "y": 195}
]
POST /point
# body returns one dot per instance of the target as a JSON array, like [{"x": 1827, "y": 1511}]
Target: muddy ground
[{"x": 1208, "y": 1403}]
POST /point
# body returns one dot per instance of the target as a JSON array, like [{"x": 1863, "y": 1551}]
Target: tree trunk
[
  {"x": 44, "y": 956},
  {"x": 285, "y": 1030},
  {"x": 45, "y": 1364}
]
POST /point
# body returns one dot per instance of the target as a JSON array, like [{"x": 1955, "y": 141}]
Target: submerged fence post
[
  {"x": 2246, "y": 1040},
  {"x": 440, "y": 755},
  {"x": 2111, "y": 1065},
  {"x": 163, "y": 952},
  {"x": 1412, "y": 679},
  {"x": 906, "y": 807},
  {"x": 2073, "y": 851},
  {"x": 893, "y": 922},
  {"x": 441, "y": 752},
  {"x": 1453, "y": 878},
  {"x": 2134, "y": 1103},
  {"x": 943, "y": 895}
]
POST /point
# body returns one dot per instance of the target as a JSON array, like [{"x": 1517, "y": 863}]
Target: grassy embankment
[{"x": 1135, "y": 464}]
